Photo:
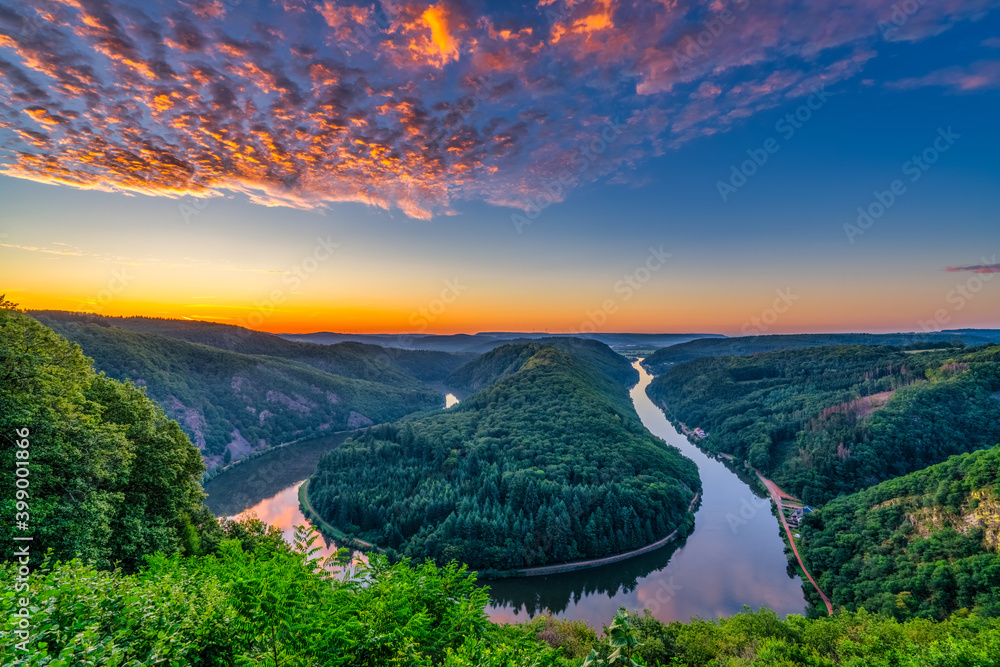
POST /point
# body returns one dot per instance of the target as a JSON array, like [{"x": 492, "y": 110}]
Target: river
[{"x": 734, "y": 556}]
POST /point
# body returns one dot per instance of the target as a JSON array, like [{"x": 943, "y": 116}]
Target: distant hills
[
  {"x": 236, "y": 391},
  {"x": 483, "y": 342},
  {"x": 831, "y": 420},
  {"x": 717, "y": 347}
]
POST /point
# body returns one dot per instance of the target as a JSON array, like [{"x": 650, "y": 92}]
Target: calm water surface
[
  {"x": 268, "y": 486},
  {"x": 733, "y": 558}
]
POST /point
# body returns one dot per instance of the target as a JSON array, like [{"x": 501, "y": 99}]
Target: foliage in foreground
[
  {"x": 848, "y": 639},
  {"x": 112, "y": 478},
  {"x": 266, "y": 607},
  {"x": 272, "y": 607}
]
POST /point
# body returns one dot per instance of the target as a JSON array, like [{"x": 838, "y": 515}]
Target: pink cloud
[{"x": 411, "y": 105}]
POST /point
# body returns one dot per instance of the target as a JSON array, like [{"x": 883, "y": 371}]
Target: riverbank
[
  {"x": 776, "y": 495},
  {"x": 209, "y": 476},
  {"x": 328, "y": 528},
  {"x": 575, "y": 566},
  {"x": 543, "y": 570}
]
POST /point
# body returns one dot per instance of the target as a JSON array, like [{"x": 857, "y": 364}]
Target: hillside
[
  {"x": 232, "y": 404},
  {"x": 348, "y": 359},
  {"x": 487, "y": 340},
  {"x": 660, "y": 360},
  {"x": 921, "y": 545},
  {"x": 549, "y": 464},
  {"x": 507, "y": 359},
  {"x": 111, "y": 478},
  {"x": 142, "y": 574},
  {"x": 832, "y": 420}
]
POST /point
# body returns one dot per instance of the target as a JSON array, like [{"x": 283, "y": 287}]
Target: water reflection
[
  {"x": 734, "y": 557},
  {"x": 249, "y": 483},
  {"x": 268, "y": 487},
  {"x": 282, "y": 510}
]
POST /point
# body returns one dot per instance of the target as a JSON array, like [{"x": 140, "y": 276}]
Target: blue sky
[{"x": 413, "y": 197}]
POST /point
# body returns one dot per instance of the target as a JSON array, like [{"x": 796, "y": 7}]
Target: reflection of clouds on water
[
  {"x": 714, "y": 572},
  {"x": 282, "y": 511},
  {"x": 247, "y": 484}
]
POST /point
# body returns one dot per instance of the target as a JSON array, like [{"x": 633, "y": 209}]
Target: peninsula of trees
[{"x": 547, "y": 464}]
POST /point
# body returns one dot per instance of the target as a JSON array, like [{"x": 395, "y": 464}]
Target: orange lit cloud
[{"x": 404, "y": 104}]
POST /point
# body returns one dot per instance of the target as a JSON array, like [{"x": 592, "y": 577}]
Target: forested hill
[
  {"x": 353, "y": 360},
  {"x": 832, "y": 420},
  {"x": 549, "y": 464},
  {"x": 924, "y": 544},
  {"x": 111, "y": 478},
  {"x": 233, "y": 404},
  {"x": 142, "y": 574},
  {"x": 662, "y": 359},
  {"x": 508, "y": 359}
]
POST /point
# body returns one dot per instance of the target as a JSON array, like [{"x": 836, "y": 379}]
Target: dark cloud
[{"x": 975, "y": 268}]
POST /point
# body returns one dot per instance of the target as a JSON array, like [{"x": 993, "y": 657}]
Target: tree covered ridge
[
  {"x": 920, "y": 545},
  {"x": 796, "y": 415},
  {"x": 663, "y": 358},
  {"x": 549, "y": 464},
  {"x": 232, "y": 404},
  {"x": 112, "y": 478},
  {"x": 505, "y": 360},
  {"x": 359, "y": 361}
]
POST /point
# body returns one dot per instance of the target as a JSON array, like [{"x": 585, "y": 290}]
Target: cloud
[
  {"x": 409, "y": 105},
  {"x": 983, "y": 74},
  {"x": 975, "y": 268}
]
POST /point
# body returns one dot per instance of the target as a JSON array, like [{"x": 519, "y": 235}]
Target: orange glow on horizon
[{"x": 530, "y": 319}]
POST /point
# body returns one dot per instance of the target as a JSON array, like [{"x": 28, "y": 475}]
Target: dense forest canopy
[
  {"x": 831, "y": 420},
  {"x": 349, "y": 359},
  {"x": 662, "y": 359},
  {"x": 232, "y": 404},
  {"x": 921, "y": 545},
  {"x": 549, "y": 464},
  {"x": 486, "y": 369},
  {"x": 141, "y": 574},
  {"x": 112, "y": 478}
]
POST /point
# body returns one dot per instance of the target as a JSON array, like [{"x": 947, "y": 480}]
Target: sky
[{"x": 567, "y": 165}]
